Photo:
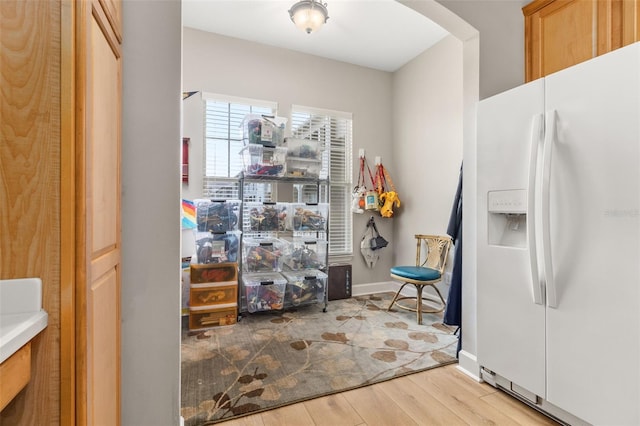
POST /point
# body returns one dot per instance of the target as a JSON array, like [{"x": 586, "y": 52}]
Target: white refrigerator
[{"x": 559, "y": 241}]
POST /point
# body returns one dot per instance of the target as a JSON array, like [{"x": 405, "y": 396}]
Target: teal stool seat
[{"x": 419, "y": 273}]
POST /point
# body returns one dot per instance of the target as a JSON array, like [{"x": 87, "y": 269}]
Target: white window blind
[
  {"x": 333, "y": 129},
  {"x": 223, "y": 141}
]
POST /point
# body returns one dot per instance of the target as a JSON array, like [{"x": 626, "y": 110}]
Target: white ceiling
[{"x": 379, "y": 34}]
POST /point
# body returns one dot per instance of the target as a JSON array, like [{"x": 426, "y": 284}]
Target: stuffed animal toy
[
  {"x": 357, "y": 202},
  {"x": 389, "y": 199}
]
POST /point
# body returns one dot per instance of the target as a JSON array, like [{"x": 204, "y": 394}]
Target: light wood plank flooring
[{"x": 441, "y": 396}]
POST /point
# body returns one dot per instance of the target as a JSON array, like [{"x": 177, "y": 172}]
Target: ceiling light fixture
[{"x": 309, "y": 15}]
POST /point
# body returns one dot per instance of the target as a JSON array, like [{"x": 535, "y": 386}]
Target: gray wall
[
  {"x": 151, "y": 212},
  {"x": 427, "y": 136},
  {"x": 501, "y": 27}
]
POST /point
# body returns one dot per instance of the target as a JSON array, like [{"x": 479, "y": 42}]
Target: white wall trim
[
  {"x": 372, "y": 288},
  {"x": 468, "y": 364}
]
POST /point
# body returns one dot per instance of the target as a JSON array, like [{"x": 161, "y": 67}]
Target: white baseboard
[
  {"x": 468, "y": 364},
  {"x": 372, "y": 288}
]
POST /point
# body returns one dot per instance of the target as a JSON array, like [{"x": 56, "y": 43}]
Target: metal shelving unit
[{"x": 273, "y": 191}]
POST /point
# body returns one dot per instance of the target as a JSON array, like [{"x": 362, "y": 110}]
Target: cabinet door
[
  {"x": 562, "y": 33},
  {"x": 558, "y": 35},
  {"x": 98, "y": 218}
]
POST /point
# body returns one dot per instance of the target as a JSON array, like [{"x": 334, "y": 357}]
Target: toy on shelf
[
  {"x": 263, "y": 254},
  {"x": 264, "y": 129},
  {"x": 306, "y": 254},
  {"x": 264, "y": 291},
  {"x": 217, "y": 248},
  {"x": 265, "y": 160},
  {"x": 312, "y": 217},
  {"x": 267, "y": 217},
  {"x": 217, "y": 216},
  {"x": 304, "y": 287}
]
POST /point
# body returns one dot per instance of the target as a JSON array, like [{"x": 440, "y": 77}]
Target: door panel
[
  {"x": 105, "y": 127},
  {"x": 510, "y": 324},
  {"x": 98, "y": 399},
  {"x": 592, "y": 336},
  {"x": 104, "y": 341}
]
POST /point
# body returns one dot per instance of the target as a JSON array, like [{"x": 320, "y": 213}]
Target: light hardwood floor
[{"x": 441, "y": 396}]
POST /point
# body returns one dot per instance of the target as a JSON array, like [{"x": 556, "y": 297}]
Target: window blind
[
  {"x": 333, "y": 130},
  {"x": 223, "y": 119}
]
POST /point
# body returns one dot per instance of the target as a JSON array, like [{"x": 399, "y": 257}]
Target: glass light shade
[{"x": 308, "y": 15}]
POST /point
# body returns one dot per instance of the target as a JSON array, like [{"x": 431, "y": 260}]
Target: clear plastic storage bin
[
  {"x": 264, "y": 291},
  {"x": 263, "y": 129},
  {"x": 260, "y": 160},
  {"x": 304, "y": 158},
  {"x": 308, "y": 217},
  {"x": 304, "y": 287},
  {"x": 217, "y": 215},
  {"x": 217, "y": 247},
  {"x": 265, "y": 217},
  {"x": 306, "y": 253},
  {"x": 263, "y": 254},
  {"x": 303, "y": 148}
]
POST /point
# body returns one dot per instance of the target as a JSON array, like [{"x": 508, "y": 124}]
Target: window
[
  {"x": 223, "y": 141},
  {"x": 334, "y": 131}
]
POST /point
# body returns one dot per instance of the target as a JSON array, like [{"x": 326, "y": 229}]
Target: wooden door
[{"x": 98, "y": 212}]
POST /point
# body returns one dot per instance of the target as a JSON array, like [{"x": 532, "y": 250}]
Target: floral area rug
[{"x": 269, "y": 360}]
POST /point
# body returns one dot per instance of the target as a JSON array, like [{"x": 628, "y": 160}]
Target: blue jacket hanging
[{"x": 453, "y": 311}]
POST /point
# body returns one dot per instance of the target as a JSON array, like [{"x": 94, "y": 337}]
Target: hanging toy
[
  {"x": 371, "y": 197},
  {"x": 357, "y": 199},
  {"x": 388, "y": 199},
  {"x": 371, "y": 201},
  {"x": 357, "y": 196}
]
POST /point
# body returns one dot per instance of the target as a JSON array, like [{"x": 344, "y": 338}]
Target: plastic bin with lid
[
  {"x": 263, "y": 254},
  {"x": 264, "y": 161},
  {"x": 305, "y": 287},
  {"x": 264, "y": 291},
  {"x": 306, "y": 253}
]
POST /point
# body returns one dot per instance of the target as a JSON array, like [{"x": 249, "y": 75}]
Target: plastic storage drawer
[
  {"x": 264, "y": 291},
  {"x": 263, "y": 254},
  {"x": 306, "y": 253},
  {"x": 304, "y": 287},
  {"x": 207, "y": 317},
  {"x": 213, "y": 294},
  {"x": 214, "y": 273},
  {"x": 217, "y": 216}
]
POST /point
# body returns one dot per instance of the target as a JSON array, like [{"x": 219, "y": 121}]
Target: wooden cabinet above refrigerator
[{"x": 561, "y": 33}]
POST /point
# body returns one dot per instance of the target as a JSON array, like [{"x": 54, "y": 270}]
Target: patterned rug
[{"x": 269, "y": 360}]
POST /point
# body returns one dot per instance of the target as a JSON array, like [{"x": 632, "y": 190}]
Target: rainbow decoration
[{"x": 188, "y": 214}]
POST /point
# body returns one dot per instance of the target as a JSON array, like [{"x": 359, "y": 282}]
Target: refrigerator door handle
[
  {"x": 549, "y": 141},
  {"x": 536, "y": 133}
]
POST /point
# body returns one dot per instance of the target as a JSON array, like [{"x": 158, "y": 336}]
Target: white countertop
[{"x": 21, "y": 314}]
